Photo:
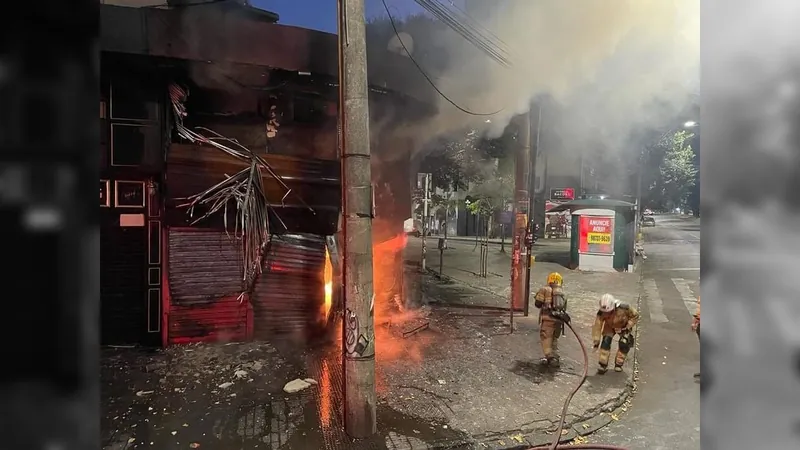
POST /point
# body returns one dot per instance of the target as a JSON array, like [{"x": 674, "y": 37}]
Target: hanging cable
[
  {"x": 422, "y": 72},
  {"x": 468, "y": 28}
]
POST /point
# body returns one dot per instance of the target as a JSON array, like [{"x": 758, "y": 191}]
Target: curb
[{"x": 593, "y": 421}]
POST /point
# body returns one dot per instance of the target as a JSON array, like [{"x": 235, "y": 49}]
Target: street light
[{"x": 690, "y": 124}]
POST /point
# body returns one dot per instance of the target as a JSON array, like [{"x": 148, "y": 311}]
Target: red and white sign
[
  {"x": 596, "y": 234},
  {"x": 562, "y": 194}
]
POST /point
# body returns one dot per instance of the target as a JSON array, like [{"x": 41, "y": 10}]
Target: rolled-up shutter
[
  {"x": 205, "y": 280},
  {"x": 289, "y": 294}
]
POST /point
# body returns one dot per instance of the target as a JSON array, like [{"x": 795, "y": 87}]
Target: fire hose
[{"x": 555, "y": 445}]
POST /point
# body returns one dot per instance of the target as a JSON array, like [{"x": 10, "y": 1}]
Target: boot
[
  {"x": 544, "y": 361},
  {"x": 555, "y": 362},
  {"x": 602, "y": 370},
  {"x": 617, "y": 368}
]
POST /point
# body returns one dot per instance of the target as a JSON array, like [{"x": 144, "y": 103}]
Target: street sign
[
  {"x": 562, "y": 194},
  {"x": 506, "y": 217}
]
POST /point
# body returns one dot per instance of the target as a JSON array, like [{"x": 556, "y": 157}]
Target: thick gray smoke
[{"x": 611, "y": 65}]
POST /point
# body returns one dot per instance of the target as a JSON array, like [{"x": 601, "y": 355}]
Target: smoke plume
[{"x": 612, "y": 67}]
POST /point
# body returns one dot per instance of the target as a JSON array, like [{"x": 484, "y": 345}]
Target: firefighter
[
  {"x": 552, "y": 304},
  {"x": 696, "y": 327},
  {"x": 613, "y": 317}
]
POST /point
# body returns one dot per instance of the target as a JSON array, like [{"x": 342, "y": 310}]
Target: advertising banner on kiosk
[{"x": 596, "y": 235}]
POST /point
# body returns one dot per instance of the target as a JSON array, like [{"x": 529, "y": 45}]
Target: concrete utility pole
[
  {"x": 358, "y": 327},
  {"x": 535, "y": 116},
  {"x": 521, "y": 200},
  {"x": 425, "y": 220}
]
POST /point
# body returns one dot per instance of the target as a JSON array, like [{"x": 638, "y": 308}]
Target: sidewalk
[
  {"x": 464, "y": 382},
  {"x": 462, "y": 262}
]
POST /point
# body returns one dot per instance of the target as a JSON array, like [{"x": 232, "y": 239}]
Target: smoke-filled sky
[
  {"x": 607, "y": 62},
  {"x": 615, "y": 67}
]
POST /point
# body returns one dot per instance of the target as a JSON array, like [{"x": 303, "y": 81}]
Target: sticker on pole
[{"x": 596, "y": 234}]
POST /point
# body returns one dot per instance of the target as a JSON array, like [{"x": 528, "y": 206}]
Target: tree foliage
[
  {"x": 492, "y": 194},
  {"x": 675, "y": 174},
  {"x": 456, "y": 162}
]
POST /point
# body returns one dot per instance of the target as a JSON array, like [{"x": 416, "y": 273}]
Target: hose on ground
[{"x": 555, "y": 445}]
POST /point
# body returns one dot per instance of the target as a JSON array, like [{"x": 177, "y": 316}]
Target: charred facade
[{"x": 169, "y": 278}]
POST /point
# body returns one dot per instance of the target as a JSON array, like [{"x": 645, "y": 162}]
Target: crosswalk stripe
[
  {"x": 654, "y": 302},
  {"x": 686, "y": 294}
]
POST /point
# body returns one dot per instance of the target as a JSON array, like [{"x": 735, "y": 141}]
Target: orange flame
[{"x": 328, "y": 279}]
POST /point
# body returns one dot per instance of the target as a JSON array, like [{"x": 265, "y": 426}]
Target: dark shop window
[
  {"x": 129, "y": 143},
  {"x": 132, "y": 102}
]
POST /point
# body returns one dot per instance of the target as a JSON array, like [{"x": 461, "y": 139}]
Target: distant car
[
  {"x": 648, "y": 212},
  {"x": 648, "y": 221}
]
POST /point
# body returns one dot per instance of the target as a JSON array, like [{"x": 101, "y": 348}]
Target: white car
[{"x": 648, "y": 212}]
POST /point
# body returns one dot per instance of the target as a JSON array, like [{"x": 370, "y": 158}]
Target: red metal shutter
[
  {"x": 289, "y": 294},
  {"x": 205, "y": 280}
]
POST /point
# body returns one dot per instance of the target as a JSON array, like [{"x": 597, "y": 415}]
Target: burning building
[{"x": 193, "y": 121}]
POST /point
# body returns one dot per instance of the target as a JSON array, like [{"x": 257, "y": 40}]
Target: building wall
[{"x": 131, "y": 123}]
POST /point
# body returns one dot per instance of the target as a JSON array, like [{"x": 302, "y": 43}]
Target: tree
[
  {"x": 676, "y": 172},
  {"x": 494, "y": 193},
  {"x": 456, "y": 161}
]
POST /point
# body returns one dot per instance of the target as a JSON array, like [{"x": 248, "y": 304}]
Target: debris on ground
[
  {"x": 225, "y": 385},
  {"x": 415, "y": 329},
  {"x": 299, "y": 385}
]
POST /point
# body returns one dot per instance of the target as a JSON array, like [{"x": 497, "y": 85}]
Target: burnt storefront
[{"x": 180, "y": 261}]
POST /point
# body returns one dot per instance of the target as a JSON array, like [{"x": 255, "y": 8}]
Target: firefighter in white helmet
[{"x": 613, "y": 318}]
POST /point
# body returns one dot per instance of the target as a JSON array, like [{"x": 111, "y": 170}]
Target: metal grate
[{"x": 288, "y": 296}]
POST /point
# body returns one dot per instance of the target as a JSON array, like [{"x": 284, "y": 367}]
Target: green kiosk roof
[{"x": 592, "y": 203}]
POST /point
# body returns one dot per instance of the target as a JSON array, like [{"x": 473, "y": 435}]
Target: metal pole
[
  {"x": 521, "y": 201},
  {"x": 358, "y": 321},
  {"x": 637, "y": 228},
  {"x": 531, "y": 202},
  {"x": 502, "y": 238},
  {"x": 425, "y": 221},
  {"x": 441, "y": 261}
]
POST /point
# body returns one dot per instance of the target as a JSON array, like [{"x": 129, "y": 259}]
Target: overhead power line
[
  {"x": 461, "y": 22},
  {"x": 422, "y": 71}
]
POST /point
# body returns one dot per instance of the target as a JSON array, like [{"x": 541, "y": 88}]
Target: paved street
[{"x": 665, "y": 412}]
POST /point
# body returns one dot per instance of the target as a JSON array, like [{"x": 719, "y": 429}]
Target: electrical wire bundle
[
  {"x": 476, "y": 34},
  {"x": 425, "y": 75}
]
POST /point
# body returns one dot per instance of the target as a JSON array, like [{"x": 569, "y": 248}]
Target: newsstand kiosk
[{"x": 601, "y": 234}]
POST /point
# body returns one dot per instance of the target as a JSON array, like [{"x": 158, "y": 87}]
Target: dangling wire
[{"x": 421, "y": 71}]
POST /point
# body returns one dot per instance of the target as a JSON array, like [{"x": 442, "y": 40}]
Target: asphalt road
[{"x": 665, "y": 413}]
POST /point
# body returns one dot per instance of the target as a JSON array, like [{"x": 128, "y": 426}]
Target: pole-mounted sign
[{"x": 562, "y": 194}]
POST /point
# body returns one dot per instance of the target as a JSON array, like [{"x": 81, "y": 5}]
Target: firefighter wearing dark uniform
[
  {"x": 552, "y": 304},
  {"x": 613, "y": 317}
]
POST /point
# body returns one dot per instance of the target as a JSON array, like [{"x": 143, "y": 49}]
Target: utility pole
[
  {"x": 425, "y": 221},
  {"x": 531, "y": 200},
  {"x": 358, "y": 322},
  {"x": 519, "y": 251}
]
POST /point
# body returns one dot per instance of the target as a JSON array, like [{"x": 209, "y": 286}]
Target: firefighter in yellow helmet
[
  {"x": 613, "y": 317},
  {"x": 552, "y": 304}
]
